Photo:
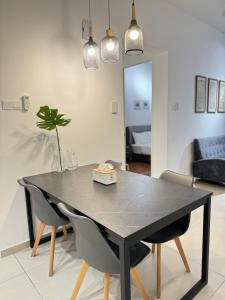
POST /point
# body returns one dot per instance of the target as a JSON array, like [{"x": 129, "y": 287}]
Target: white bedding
[{"x": 141, "y": 149}]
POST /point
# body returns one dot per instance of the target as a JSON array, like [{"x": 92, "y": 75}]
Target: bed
[{"x": 138, "y": 143}]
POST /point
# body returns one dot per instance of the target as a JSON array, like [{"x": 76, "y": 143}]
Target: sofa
[{"x": 209, "y": 159}]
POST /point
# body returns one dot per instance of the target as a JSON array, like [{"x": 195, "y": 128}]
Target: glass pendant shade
[
  {"x": 91, "y": 55},
  {"x": 109, "y": 47},
  {"x": 134, "y": 36}
]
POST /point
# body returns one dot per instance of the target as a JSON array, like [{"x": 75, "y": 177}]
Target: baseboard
[
  {"x": 14, "y": 249},
  {"x": 23, "y": 245}
]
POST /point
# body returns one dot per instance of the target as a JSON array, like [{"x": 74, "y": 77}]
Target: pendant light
[
  {"x": 109, "y": 44},
  {"x": 134, "y": 36},
  {"x": 90, "y": 49}
]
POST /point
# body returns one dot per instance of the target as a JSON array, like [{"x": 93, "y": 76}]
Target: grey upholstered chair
[
  {"x": 48, "y": 214},
  {"x": 102, "y": 254},
  {"x": 172, "y": 231}
]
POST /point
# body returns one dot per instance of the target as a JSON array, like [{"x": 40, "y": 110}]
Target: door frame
[{"x": 159, "y": 108}]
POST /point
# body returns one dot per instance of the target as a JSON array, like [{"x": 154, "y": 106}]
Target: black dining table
[{"x": 130, "y": 210}]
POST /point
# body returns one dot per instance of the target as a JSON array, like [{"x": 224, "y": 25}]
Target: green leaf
[{"x": 51, "y": 118}]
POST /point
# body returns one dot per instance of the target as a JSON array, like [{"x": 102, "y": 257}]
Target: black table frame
[{"x": 125, "y": 244}]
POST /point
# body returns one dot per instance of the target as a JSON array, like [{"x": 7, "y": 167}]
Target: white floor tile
[
  {"x": 9, "y": 268},
  {"x": 192, "y": 240},
  {"x": 19, "y": 288},
  {"x": 42, "y": 257},
  {"x": 175, "y": 281},
  {"x": 220, "y": 293}
]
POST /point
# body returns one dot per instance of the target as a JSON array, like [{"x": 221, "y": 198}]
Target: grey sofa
[{"x": 209, "y": 159}]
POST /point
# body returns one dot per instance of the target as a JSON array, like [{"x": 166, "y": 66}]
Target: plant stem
[{"x": 59, "y": 149}]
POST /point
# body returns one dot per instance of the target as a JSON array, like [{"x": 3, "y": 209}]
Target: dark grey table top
[{"x": 133, "y": 203}]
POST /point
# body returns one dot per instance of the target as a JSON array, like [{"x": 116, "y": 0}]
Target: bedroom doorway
[{"x": 137, "y": 115}]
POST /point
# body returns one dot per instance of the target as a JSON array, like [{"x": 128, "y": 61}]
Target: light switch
[{"x": 25, "y": 103}]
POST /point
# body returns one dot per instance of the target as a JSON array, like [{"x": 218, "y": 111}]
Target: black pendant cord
[
  {"x": 90, "y": 21},
  {"x": 109, "y": 15}
]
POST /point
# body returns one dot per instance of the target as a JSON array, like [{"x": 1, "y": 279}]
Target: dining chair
[
  {"x": 102, "y": 254},
  {"x": 49, "y": 215},
  {"x": 172, "y": 231}
]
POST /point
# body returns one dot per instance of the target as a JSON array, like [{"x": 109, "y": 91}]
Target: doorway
[
  {"x": 137, "y": 113},
  {"x": 158, "y": 118}
]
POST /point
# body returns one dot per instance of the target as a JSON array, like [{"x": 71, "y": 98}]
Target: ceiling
[{"x": 211, "y": 12}]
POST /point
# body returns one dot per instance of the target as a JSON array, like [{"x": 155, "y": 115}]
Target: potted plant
[{"x": 51, "y": 119}]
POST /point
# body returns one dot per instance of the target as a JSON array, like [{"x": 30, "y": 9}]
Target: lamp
[
  {"x": 90, "y": 49},
  {"x": 109, "y": 44},
  {"x": 134, "y": 36}
]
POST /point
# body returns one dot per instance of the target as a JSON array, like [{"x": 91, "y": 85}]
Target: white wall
[
  {"x": 138, "y": 87},
  {"x": 40, "y": 55}
]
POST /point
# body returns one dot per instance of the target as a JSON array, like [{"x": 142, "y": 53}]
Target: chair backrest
[
  {"x": 116, "y": 165},
  {"x": 42, "y": 208},
  {"x": 177, "y": 178},
  {"x": 183, "y": 180},
  {"x": 91, "y": 244}
]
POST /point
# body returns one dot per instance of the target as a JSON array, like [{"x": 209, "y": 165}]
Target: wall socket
[{"x": 23, "y": 104}]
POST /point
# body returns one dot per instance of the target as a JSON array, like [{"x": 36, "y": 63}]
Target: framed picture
[
  {"x": 221, "y": 102},
  {"x": 212, "y": 95},
  {"x": 137, "y": 104},
  {"x": 146, "y": 105},
  {"x": 200, "y": 94}
]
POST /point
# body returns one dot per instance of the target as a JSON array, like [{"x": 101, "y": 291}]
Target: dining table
[{"x": 130, "y": 210}]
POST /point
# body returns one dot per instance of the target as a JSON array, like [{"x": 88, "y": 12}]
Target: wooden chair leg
[
  {"x": 79, "y": 281},
  {"x": 182, "y": 254},
  {"x": 158, "y": 291},
  {"x": 136, "y": 278},
  {"x": 52, "y": 250},
  {"x": 153, "y": 248},
  {"x": 106, "y": 286},
  {"x": 65, "y": 232},
  {"x": 38, "y": 238}
]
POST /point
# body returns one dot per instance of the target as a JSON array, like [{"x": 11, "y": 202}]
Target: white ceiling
[{"x": 211, "y": 12}]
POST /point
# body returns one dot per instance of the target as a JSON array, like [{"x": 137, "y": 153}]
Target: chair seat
[
  {"x": 170, "y": 232},
  {"x": 137, "y": 252}
]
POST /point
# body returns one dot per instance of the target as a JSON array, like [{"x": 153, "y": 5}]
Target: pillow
[{"x": 142, "y": 138}]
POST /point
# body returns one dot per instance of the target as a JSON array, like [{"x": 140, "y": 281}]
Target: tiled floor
[{"x": 26, "y": 278}]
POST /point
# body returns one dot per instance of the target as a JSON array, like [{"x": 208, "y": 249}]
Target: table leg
[
  {"x": 125, "y": 272},
  {"x": 205, "y": 254},
  {"x": 29, "y": 218},
  {"x": 206, "y": 239}
]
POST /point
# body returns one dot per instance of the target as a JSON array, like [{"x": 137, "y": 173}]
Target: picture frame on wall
[
  {"x": 212, "y": 95},
  {"x": 221, "y": 101},
  {"x": 200, "y": 93},
  {"x": 137, "y": 104},
  {"x": 145, "y": 105}
]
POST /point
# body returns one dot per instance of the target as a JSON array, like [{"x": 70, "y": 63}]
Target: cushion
[{"x": 142, "y": 138}]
